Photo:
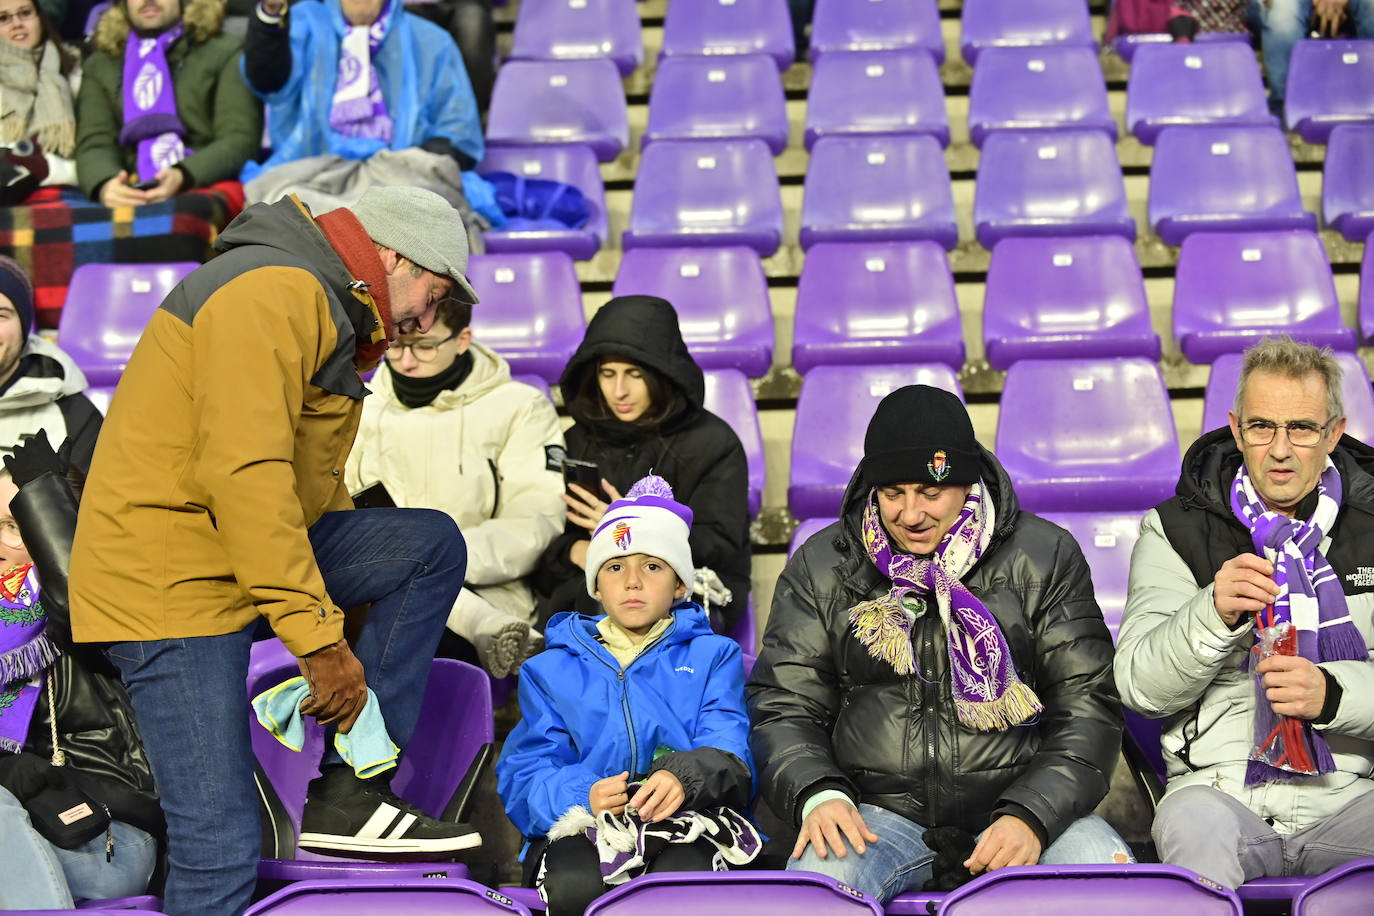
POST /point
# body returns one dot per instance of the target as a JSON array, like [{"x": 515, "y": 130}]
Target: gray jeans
[{"x": 1217, "y": 836}]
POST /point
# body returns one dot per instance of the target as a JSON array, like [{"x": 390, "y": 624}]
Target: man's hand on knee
[
  {"x": 1009, "y": 841},
  {"x": 338, "y": 690},
  {"x": 830, "y": 824}
]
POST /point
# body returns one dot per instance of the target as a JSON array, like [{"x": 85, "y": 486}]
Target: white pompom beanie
[{"x": 649, "y": 521}]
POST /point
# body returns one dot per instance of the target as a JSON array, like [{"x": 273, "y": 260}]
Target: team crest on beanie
[
  {"x": 622, "y": 535},
  {"x": 938, "y": 465}
]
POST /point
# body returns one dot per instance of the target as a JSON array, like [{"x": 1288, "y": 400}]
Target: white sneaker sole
[{"x": 365, "y": 844}]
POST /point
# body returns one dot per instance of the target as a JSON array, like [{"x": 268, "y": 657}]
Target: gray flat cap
[{"x": 420, "y": 226}]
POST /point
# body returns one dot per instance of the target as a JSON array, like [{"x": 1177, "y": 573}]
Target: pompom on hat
[{"x": 649, "y": 521}]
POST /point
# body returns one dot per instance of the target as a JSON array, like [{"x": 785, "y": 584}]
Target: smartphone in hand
[{"x": 586, "y": 475}]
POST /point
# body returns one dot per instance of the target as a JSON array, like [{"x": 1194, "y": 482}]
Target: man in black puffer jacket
[{"x": 865, "y": 740}]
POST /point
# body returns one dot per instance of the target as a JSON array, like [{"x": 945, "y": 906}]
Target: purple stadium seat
[
  {"x": 1049, "y": 88},
  {"x": 1088, "y": 435},
  {"x": 1341, "y": 891},
  {"x": 1107, "y": 540},
  {"x": 876, "y": 92},
  {"x": 1126, "y": 45},
  {"x": 107, "y": 307},
  {"x": 1367, "y": 293},
  {"x": 535, "y": 381},
  {"x": 721, "y": 297},
  {"x": 833, "y": 411},
  {"x": 1181, "y": 84},
  {"x": 1233, "y": 288},
  {"x": 746, "y": 635},
  {"x": 876, "y": 25},
  {"x": 1017, "y": 23},
  {"x": 145, "y": 903},
  {"x": 1054, "y": 298},
  {"x": 1356, "y": 394},
  {"x": 729, "y": 396},
  {"x": 1049, "y": 183},
  {"x": 1266, "y": 896},
  {"x": 1329, "y": 83},
  {"x": 714, "y": 27},
  {"x": 369, "y": 896},
  {"x": 1122, "y": 890},
  {"x": 531, "y": 309},
  {"x": 572, "y": 164},
  {"x": 757, "y": 893},
  {"x": 718, "y": 98},
  {"x": 577, "y": 29},
  {"x": 915, "y": 903},
  {"x": 878, "y": 188},
  {"x": 886, "y": 302},
  {"x": 567, "y": 101},
  {"x": 527, "y": 896},
  {"x": 1347, "y": 186},
  {"x": 808, "y": 529},
  {"x": 1224, "y": 178},
  {"x": 100, "y": 396},
  {"x": 706, "y": 192}
]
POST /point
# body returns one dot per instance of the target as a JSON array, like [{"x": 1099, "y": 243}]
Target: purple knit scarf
[
  {"x": 358, "y": 109},
  {"x": 25, "y": 653},
  {"x": 150, "y": 105},
  {"x": 988, "y": 695}
]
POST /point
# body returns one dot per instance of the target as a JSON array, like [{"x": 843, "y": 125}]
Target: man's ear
[
  {"x": 390, "y": 259},
  {"x": 1234, "y": 422},
  {"x": 681, "y": 590},
  {"x": 464, "y": 340}
]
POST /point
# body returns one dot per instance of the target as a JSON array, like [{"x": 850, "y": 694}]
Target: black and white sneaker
[{"x": 346, "y": 814}]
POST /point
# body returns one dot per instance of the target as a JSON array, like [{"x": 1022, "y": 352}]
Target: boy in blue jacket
[{"x": 633, "y": 751}]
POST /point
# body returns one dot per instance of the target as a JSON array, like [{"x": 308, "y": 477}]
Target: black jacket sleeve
[
  {"x": 83, "y": 421},
  {"x": 266, "y": 54},
  {"x": 710, "y": 777},
  {"x": 720, "y": 519},
  {"x": 23, "y": 775},
  {"x": 443, "y": 146}
]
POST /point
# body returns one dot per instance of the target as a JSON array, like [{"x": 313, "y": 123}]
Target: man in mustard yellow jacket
[{"x": 216, "y": 497}]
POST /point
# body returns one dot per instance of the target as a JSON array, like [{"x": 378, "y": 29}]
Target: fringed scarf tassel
[
  {"x": 884, "y": 628},
  {"x": 1017, "y": 705}
]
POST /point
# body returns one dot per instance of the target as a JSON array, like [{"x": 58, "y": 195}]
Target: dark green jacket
[{"x": 223, "y": 118}]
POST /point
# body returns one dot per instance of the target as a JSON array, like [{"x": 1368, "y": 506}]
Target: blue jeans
[
  {"x": 899, "y": 861},
  {"x": 41, "y": 876},
  {"x": 1283, "y": 23},
  {"x": 189, "y": 694}
]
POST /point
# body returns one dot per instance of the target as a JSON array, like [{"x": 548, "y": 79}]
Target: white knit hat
[
  {"x": 421, "y": 227},
  {"x": 649, "y": 521}
]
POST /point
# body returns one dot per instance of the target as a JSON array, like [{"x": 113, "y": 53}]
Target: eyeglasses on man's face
[
  {"x": 9, "y": 534},
  {"x": 1301, "y": 433},
  {"x": 423, "y": 350}
]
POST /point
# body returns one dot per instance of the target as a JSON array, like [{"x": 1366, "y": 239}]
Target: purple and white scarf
[
  {"x": 150, "y": 105},
  {"x": 359, "y": 110},
  {"x": 25, "y": 653},
  {"x": 988, "y": 695},
  {"x": 1310, "y": 596}
]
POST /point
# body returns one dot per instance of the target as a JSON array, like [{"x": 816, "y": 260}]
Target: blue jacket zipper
[{"x": 625, "y": 693}]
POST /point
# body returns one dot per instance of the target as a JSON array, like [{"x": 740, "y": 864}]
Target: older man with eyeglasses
[{"x": 1248, "y": 629}]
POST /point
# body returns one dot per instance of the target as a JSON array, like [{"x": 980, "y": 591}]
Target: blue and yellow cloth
[{"x": 367, "y": 747}]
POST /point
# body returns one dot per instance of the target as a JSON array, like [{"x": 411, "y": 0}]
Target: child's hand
[
  {"x": 610, "y": 794},
  {"x": 659, "y": 797}
]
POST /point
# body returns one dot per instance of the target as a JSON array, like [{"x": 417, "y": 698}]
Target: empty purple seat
[
  {"x": 876, "y": 25},
  {"x": 876, "y": 92},
  {"x": 1107, "y": 540},
  {"x": 1126, "y": 45},
  {"x": 1049, "y": 183},
  {"x": 1233, "y": 288},
  {"x": 721, "y": 297},
  {"x": 365, "y": 895},
  {"x": 144, "y": 902},
  {"x": 758, "y": 893},
  {"x": 567, "y": 101},
  {"x": 1347, "y": 183},
  {"x": 1347, "y": 889},
  {"x": 715, "y": 27},
  {"x": 706, "y": 192},
  {"x": 878, "y": 188},
  {"x": 1016, "y": 23},
  {"x": 833, "y": 411},
  {"x": 1356, "y": 394},
  {"x": 808, "y": 529},
  {"x": 1122, "y": 890},
  {"x": 531, "y": 310},
  {"x": 1180, "y": 84},
  {"x": 1070, "y": 444},
  {"x": 883, "y": 302},
  {"x": 730, "y": 397},
  {"x": 1038, "y": 88},
  {"x": 107, "y": 307},
  {"x": 718, "y": 98},
  {"x": 578, "y": 29},
  {"x": 1224, "y": 178},
  {"x": 1366, "y": 306},
  {"x": 572, "y": 164},
  {"x": 1329, "y": 83},
  {"x": 1055, "y": 298}
]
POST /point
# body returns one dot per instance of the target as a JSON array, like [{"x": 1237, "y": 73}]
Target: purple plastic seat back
[
  {"x": 1347, "y": 192},
  {"x": 1107, "y": 540},
  {"x": 1049, "y": 183},
  {"x": 1343, "y": 890},
  {"x": 100, "y": 396},
  {"x": 718, "y": 98},
  {"x": 1016, "y": 23},
  {"x": 878, "y": 188},
  {"x": 572, "y": 164},
  {"x": 386, "y": 897},
  {"x": 876, "y": 92},
  {"x": 145, "y": 903},
  {"x": 1233, "y": 288},
  {"x": 873, "y": 25},
  {"x": 730, "y": 397},
  {"x": 721, "y": 297},
  {"x": 1177, "y": 84},
  {"x": 1329, "y": 83},
  {"x": 567, "y": 101},
  {"x": 1224, "y": 178},
  {"x": 729, "y": 893},
  {"x": 1040, "y": 88},
  {"x": 718, "y": 27},
  {"x": 1356, "y": 394},
  {"x": 531, "y": 309},
  {"x": 746, "y": 634},
  {"x": 1146, "y": 733},
  {"x": 806, "y": 530},
  {"x": 1273, "y": 895},
  {"x": 1070, "y": 446},
  {"x": 915, "y": 903},
  {"x": 706, "y": 192},
  {"x": 577, "y": 29},
  {"x": 887, "y": 302},
  {"x": 833, "y": 411},
  {"x": 107, "y": 308},
  {"x": 1366, "y": 305},
  {"x": 1126, "y": 45},
  {"x": 1122, "y": 890},
  {"x": 537, "y": 382},
  {"x": 1056, "y": 298}
]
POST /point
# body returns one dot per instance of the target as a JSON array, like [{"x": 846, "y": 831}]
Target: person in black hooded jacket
[{"x": 635, "y": 396}]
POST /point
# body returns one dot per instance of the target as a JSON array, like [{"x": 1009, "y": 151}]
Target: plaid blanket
[{"x": 58, "y": 229}]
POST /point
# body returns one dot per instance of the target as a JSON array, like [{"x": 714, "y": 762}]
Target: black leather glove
[
  {"x": 952, "y": 847},
  {"x": 33, "y": 458}
]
